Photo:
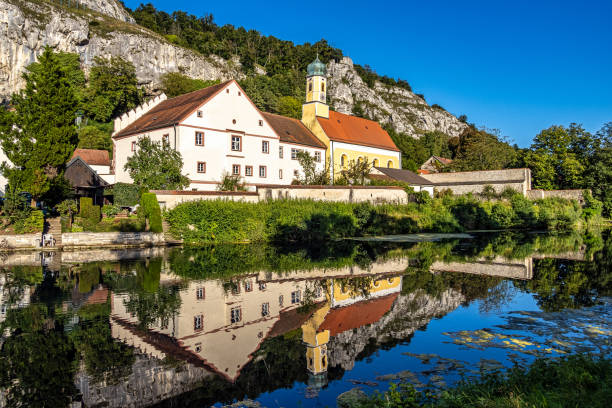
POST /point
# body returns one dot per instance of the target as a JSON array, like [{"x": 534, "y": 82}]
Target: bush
[
  {"x": 89, "y": 212},
  {"x": 111, "y": 210},
  {"x": 231, "y": 183},
  {"x": 66, "y": 207},
  {"x": 149, "y": 209},
  {"x": 488, "y": 192},
  {"x": 34, "y": 222},
  {"x": 124, "y": 194}
]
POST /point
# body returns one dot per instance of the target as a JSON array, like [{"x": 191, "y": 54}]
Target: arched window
[
  {"x": 343, "y": 160},
  {"x": 322, "y": 86},
  {"x": 390, "y": 164},
  {"x": 375, "y": 163},
  {"x": 310, "y": 86}
]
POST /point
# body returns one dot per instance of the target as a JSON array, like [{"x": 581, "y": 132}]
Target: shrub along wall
[{"x": 202, "y": 222}]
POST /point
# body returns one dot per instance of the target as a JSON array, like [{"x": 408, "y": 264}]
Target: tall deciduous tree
[
  {"x": 156, "y": 166},
  {"x": 479, "y": 149},
  {"x": 39, "y": 135},
  {"x": 554, "y": 164},
  {"x": 113, "y": 89}
]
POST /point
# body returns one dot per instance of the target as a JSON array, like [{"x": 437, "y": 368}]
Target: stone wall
[
  {"x": 95, "y": 239},
  {"x": 474, "y": 181},
  {"x": 353, "y": 194},
  {"x": 170, "y": 199},
  {"x": 567, "y": 194},
  {"x": 22, "y": 241}
]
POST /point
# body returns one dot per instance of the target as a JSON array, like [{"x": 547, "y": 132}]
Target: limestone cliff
[
  {"x": 104, "y": 28},
  {"x": 26, "y": 27},
  {"x": 405, "y": 111}
]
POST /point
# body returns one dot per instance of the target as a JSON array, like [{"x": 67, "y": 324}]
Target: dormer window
[{"x": 199, "y": 114}]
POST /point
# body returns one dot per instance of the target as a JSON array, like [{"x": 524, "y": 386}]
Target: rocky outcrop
[
  {"x": 405, "y": 111},
  {"x": 409, "y": 312},
  {"x": 111, "y": 8},
  {"x": 27, "y": 27},
  {"x": 104, "y": 28}
]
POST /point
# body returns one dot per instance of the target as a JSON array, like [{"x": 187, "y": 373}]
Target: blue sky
[{"x": 517, "y": 66}]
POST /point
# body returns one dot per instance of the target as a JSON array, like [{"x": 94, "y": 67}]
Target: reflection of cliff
[{"x": 406, "y": 315}]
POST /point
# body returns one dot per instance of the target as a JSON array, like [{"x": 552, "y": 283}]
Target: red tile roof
[
  {"x": 172, "y": 111},
  {"x": 443, "y": 160},
  {"x": 357, "y": 315},
  {"x": 351, "y": 129},
  {"x": 292, "y": 130},
  {"x": 93, "y": 157}
]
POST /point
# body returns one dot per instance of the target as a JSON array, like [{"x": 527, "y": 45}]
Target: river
[{"x": 272, "y": 326}]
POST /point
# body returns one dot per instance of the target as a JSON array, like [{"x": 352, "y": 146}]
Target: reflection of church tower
[
  {"x": 316, "y": 91},
  {"x": 316, "y": 341}
]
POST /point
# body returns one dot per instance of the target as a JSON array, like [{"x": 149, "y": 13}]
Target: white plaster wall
[
  {"x": 289, "y": 166},
  {"x": 100, "y": 169},
  {"x": 217, "y": 124}
]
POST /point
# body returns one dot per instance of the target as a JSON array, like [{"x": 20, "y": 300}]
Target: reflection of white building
[
  {"x": 220, "y": 325},
  {"x": 22, "y": 299}
]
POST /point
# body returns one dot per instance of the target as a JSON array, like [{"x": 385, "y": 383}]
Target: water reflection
[{"x": 199, "y": 326}]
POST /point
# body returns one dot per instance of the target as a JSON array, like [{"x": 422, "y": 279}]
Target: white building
[{"x": 218, "y": 130}]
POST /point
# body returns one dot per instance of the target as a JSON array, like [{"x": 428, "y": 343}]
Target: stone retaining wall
[
  {"x": 95, "y": 239},
  {"x": 474, "y": 181},
  {"x": 21, "y": 241},
  {"x": 171, "y": 198},
  {"x": 567, "y": 194},
  {"x": 352, "y": 194}
]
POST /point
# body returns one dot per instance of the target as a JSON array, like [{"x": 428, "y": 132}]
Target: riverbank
[
  {"x": 573, "y": 381},
  {"x": 308, "y": 221}
]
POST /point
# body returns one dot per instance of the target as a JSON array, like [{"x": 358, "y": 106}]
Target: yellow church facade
[{"x": 347, "y": 138}]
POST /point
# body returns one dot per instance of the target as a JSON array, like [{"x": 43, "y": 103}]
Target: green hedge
[
  {"x": 149, "y": 209},
  {"x": 88, "y": 211},
  {"x": 284, "y": 221}
]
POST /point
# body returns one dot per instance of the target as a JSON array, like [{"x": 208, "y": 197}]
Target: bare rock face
[
  {"x": 390, "y": 105},
  {"x": 111, "y": 8},
  {"x": 27, "y": 27}
]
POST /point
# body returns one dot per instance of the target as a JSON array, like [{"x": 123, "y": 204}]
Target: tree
[
  {"x": 70, "y": 64},
  {"x": 156, "y": 166},
  {"x": 91, "y": 137},
  {"x": 113, "y": 89},
  {"x": 553, "y": 162},
  {"x": 290, "y": 106},
  {"x": 175, "y": 84},
  {"x": 482, "y": 150},
  {"x": 356, "y": 172},
  {"x": 39, "y": 136},
  {"x": 309, "y": 168}
]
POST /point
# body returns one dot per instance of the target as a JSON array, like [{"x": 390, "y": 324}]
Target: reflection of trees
[
  {"x": 19, "y": 279},
  {"x": 562, "y": 284},
  {"x": 104, "y": 358},
  {"x": 37, "y": 361}
]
